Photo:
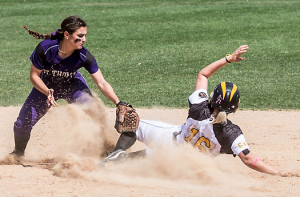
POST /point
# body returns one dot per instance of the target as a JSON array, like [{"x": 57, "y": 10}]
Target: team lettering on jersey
[{"x": 57, "y": 73}]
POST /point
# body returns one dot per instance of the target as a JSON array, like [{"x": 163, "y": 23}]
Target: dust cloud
[{"x": 81, "y": 137}]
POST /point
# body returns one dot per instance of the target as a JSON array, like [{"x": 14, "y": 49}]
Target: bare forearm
[
  {"x": 257, "y": 164},
  {"x": 209, "y": 70},
  {"x": 36, "y": 80},
  {"x": 39, "y": 84},
  {"x": 108, "y": 92},
  {"x": 260, "y": 166},
  {"x": 105, "y": 87}
]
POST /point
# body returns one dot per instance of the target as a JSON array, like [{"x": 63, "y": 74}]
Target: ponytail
[
  {"x": 55, "y": 35},
  {"x": 220, "y": 117},
  {"x": 70, "y": 24}
]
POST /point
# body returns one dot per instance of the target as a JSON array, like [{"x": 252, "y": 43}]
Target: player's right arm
[
  {"x": 37, "y": 82},
  {"x": 208, "y": 71}
]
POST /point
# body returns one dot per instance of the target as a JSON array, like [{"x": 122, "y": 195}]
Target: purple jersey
[{"x": 45, "y": 57}]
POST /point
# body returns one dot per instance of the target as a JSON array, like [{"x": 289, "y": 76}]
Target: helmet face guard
[{"x": 225, "y": 97}]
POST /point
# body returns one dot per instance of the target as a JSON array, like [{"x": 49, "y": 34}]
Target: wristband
[
  {"x": 227, "y": 59},
  {"x": 118, "y": 103},
  {"x": 256, "y": 160}
]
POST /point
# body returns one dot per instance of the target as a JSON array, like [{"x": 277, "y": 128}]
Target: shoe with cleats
[{"x": 114, "y": 156}]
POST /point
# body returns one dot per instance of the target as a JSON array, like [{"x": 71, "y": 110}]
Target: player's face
[{"x": 78, "y": 38}]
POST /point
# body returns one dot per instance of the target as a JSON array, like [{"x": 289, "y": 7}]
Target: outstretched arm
[
  {"x": 105, "y": 87},
  {"x": 255, "y": 163},
  {"x": 205, "y": 73}
]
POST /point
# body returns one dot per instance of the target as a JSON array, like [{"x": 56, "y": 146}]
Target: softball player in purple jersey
[
  {"x": 206, "y": 128},
  {"x": 54, "y": 75}
]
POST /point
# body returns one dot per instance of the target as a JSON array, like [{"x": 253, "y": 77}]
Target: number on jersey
[{"x": 202, "y": 143}]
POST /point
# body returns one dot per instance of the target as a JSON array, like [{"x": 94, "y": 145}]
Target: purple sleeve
[
  {"x": 93, "y": 68},
  {"x": 91, "y": 64},
  {"x": 38, "y": 57}
]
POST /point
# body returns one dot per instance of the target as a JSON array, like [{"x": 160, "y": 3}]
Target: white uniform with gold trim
[{"x": 199, "y": 131}]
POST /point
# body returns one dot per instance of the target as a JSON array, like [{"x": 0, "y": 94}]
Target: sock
[{"x": 125, "y": 141}]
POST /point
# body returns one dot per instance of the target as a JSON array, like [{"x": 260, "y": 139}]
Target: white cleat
[{"x": 114, "y": 156}]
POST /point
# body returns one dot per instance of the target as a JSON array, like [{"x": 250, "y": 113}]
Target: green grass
[{"x": 151, "y": 51}]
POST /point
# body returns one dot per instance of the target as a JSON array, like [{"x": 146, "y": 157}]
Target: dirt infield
[{"x": 65, "y": 148}]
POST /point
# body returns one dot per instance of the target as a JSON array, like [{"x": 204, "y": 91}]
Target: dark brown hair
[{"x": 70, "y": 24}]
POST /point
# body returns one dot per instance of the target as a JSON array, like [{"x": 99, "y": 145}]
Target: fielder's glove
[{"x": 127, "y": 119}]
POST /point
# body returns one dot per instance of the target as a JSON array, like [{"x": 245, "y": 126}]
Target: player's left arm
[
  {"x": 241, "y": 148},
  {"x": 257, "y": 164},
  {"x": 105, "y": 87}
]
